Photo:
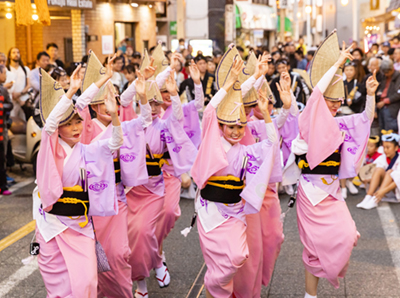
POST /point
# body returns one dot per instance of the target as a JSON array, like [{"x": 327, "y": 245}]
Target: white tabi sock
[
  {"x": 141, "y": 286},
  {"x": 309, "y": 296},
  {"x": 160, "y": 272}
]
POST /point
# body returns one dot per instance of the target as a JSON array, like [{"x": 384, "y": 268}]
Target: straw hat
[
  {"x": 152, "y": 92},
  {"x": 231, "y": 109},
  {"x": 250, "y": 68},
  {"x": 225, "y": 65},
  {"x": 251, "y": 98},
  {"x": 145, "y": 61},
  {"x": 325, "y": 57},
  {"x": 159, "y": 60},
  {"x": 267, "y": 90},
  {"x": 94, "y": 71},
  {"x": 50, "y": 94},
  {"x": 304, "y": 75}
]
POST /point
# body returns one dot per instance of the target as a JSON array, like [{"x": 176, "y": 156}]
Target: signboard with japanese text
[{"x": 79, "y": 4}]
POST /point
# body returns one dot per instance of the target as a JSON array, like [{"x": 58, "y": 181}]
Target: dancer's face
[
  {"x": 233, "y": 133},
  {"x": 333, "y": 106},
  {"x": 155, "y": 109},
  {"x": 72, "y": 131}
]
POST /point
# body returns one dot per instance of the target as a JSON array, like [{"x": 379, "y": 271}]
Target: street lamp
[
  {"x": 344, "y": 2},
  {"x": 308, "y": 9}
]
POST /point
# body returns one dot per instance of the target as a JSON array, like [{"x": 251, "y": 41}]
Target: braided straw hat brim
[
  {"x": 50, "y": 94},
  {"x": 304, "y": 75},
  {"x": 267, "y": 90},
  {"x": 153, "y": 93},
  {"x": 145, "y": 61},
  {"x": 94, "y": 71},
  {"x": 250, "y": 68},
  {"x": 325, "y": 57},
  {"x": 159, "y": 60},
  {"x": 224, "y": 66},
  {"x": 231, "y": 109},
  {"x": 251, "y": 98}
]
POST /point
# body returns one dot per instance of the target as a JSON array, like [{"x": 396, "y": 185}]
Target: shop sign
[
  {"x": 173, "y": 28},
  {"x": 81, "y": 4}
]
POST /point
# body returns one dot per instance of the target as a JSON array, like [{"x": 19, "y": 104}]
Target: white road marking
[
  {"x": 392, "y": 233},
  {"x": 22, "y": 273}
]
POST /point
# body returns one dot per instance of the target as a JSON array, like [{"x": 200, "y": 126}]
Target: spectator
[
  {"x": 358, "y": 54},
  {"x": 389, "y": 103},
  {"x": 395, "y": 42},
  {"x": 207, "y": 80},
  {"x": 217, "y": 57},
  {"x": 181, "y": 45},
  {"x": 130, "y": 75},
  {"x": 179, "y": 76},
  {"x": 385, "y": 47},
  {"x": 241, "y": 52},
  {"x": 301, "y": 61},
  {"x": 60, "y": 75},
  {"x": 9, "y": 83},
  {"x": 128, "y": 55},
  {"x": 136, "y": 58},
  {"x": 20, "y": 76},
  {"x": 5, "y": 109},
  {"x": 52, "y": 50},
  {"x": 211, "y": 66},
  {"x": 297, "y": 87},
  {"x": 276, "y": 56},
  {"x": 310, "y": 55},
  {"x": 374, "y": 48},
  {"x": 302, "y": 46},
  {"x": 271, "y": 74},
  {"x": 42, "y": 61},
  {"x": 118, "y": 77},
  {"x": 351, "y": 103},
  {"x": 396, "y": 59}
]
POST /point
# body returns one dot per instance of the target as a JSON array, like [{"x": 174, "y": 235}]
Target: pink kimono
[
  {"x": 112, "y": 231},
  {"x": 145, "y": 202},
  {"x": 222, "y": 227},
  {"x": 67, "y": 259},
  {"x": 326, "y": 227}
]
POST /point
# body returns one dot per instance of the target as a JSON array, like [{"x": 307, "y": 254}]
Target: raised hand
[
  {"x": 344, "y": 55},
  {"x": 149, "y": 71},
  {"x": 110, "y": 101},
  {"x": 110, "y": 72},
  {"x": 262, "y": 65},
  {"x": 284, "y": 91},
  {"x": 237, "y": 67},
  {"x": 194, "y": 72},
  {"x": 175, "y": 60},
  {"x": 170, "y": 84},
  {"x": 372, "y": 84},
  {"x": 285, "y": 81},
  {"x": 263, "y": 105},
  {"x": 140, "y": 85},
  {"x": 75, "y": 80}
]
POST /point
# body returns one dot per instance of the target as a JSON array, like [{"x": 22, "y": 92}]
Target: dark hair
[
  {"x": 2, "y": 68},
  {"x": 240, "y": 49},
  {"x": 391, "y": 51},
  {"x": 181, "y": 39},
  {"x": 41, "y": 54},
  {"x": 116, "y": 87},
  {"x": 58, "y": 72},
  {"x": 116, "y": 59},
  {"x": 282, "y": 61},
  {"x": 394, "y": 142},
  {"x": 276, "y": 52},
  {"x": 136, "y": 55},
  {"x": 152, "y": 49},
  {"x": 311, "y": 53},
  {"x": 51, "y": 45},
  {"x": 300, "y": 52},
  {"x": 199, "y": 58},
  {"x": 130, "y": 68},
  {"x": 358, "y": 50},
  {"x": 85, "y": 59},
  {"x": 397, "y": 37},
  {"x": 19, "y": 61},
  {"x": 374, "y": 45}
]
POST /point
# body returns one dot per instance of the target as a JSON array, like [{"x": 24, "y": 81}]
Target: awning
[{"x": 254, "y": 16}]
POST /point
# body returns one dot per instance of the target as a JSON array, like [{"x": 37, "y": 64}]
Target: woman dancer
[
  {"x": 326, "y": 227},
  {"x": 73, "y": 184},
  {"x": 130, "y": 170},
  {"x": 219, "y": 171}
]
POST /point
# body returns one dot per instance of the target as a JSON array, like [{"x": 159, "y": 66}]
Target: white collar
[
  {"x": 100, "y": 124},
  {"x": 225, "y": 144},
  {"x": 67, "y": 148}
]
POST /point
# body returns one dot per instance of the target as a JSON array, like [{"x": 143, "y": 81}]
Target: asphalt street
[{"x": 374, "y": 266}]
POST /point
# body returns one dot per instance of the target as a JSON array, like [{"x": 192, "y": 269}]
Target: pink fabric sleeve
[{"x": 319, "y": 129}]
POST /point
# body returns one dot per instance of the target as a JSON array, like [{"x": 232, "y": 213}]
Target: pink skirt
[
  {"x": 272, "y": 233},
  {"x": 112, "y": 232},
  {"x": 225, "y": 251},
  {"x": 328, "y": 234},
  {"x": 68, "y": 265},
  {"x": 144, "y": 209},
  {"x": 171, "y": 210},
  {"x": 247, "y": 281}
]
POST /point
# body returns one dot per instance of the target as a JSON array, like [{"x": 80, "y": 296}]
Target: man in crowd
[
  {"x": 396, "y": 59},
  {"x": 52, "y": 50},
  {"x": 300, "y": 89},
  {"x": 42, "y": 61},
  {"x": 301, "y": 61},
  {"x": 207, "y": 80},
  {"x": 389, "y": 102},
  {"x": 21, "y": 86},
  {"x": 118, "y": 77}
]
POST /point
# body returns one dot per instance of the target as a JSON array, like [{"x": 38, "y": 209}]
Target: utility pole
[{"x": 229, "y": 22}]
